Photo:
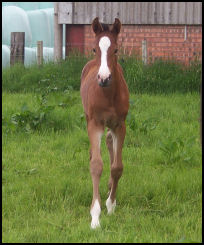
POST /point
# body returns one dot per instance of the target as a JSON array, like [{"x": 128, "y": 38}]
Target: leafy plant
[
  {"x": 29, "y": 120},
  {"x": 176, "y": 150},
  {"x": 145, "y": 127},
  {"x": 149, "y": 125}
]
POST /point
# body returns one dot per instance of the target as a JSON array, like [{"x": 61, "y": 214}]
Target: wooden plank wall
[{"x": 188, "y": 13}]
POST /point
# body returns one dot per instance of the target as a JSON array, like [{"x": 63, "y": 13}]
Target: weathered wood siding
[{"x": 189, "y": 13}]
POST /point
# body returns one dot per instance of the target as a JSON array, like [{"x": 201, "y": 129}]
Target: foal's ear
[
  {"x": 96, "y": 26},
  {"x": 116, "y": 26}
]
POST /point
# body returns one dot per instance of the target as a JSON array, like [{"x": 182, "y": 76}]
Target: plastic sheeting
[
  {"x": 29, "y": 5},
  {"x": 41, "y": 25},
  {"x": 36, "y": 20},
  {"x": 15, "y": 19}
]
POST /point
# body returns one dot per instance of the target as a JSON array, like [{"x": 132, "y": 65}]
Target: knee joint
[
  {"x": 116, "y": 171},
  {"x": 96, "y": 167}
]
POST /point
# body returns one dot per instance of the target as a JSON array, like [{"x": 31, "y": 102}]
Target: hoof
[{"x": 95, "y": 223}]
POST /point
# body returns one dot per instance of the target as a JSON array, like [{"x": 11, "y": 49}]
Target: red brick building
[
  {"x": 179, "y": 42},
  {"x": 168, "y": 30}
]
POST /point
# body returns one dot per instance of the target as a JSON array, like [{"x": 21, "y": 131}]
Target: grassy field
[{"x": 46, "y": 184}]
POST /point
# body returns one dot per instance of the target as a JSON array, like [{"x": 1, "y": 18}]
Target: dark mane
[{"x": 105, "y": 27}]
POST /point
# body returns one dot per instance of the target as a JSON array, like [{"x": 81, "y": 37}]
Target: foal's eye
[
  {"x": 116, "y": 50},
  {"x": 94, "y": 50}
]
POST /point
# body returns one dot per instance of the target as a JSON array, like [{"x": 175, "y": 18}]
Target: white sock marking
[
  {"x": 110, "y": 206},
  {"x": 95, "y": 213},
  {"x": 104, "y": 44}
]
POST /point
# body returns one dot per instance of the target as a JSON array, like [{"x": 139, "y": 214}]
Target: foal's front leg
[
  {"x": 95, "y": 133},
  {"x": 118, "y": 136}
]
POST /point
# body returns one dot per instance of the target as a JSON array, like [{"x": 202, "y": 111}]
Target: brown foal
[{"x": 105, "y": 99}]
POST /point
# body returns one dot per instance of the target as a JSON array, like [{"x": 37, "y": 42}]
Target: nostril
[
  {"x": 109, "y": 77},
  {"x": 98, "y": 76}
]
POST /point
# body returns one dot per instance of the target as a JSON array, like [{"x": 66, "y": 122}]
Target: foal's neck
[{"x": 115, "y": 75}]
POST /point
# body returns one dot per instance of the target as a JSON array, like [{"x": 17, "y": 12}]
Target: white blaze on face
[{"x": 104, "y": 44}]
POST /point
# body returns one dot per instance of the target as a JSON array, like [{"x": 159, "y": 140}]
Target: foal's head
[{"x": 105, "y": 48}]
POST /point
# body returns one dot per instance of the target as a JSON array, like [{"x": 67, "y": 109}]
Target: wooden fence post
[
  {"x": 39, "y": 53},
  {"x": 17, "y": 47},
  {"x": 144, "y": 51},
  {"x": 58, "y": 35}
]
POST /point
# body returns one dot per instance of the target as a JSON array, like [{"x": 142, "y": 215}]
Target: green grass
[{"x": 46, "y": 183}]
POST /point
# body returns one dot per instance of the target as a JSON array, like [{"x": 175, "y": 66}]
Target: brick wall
[{"x": 163, "y": 41}]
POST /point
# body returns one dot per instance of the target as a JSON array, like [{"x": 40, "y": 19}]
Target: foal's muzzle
[{"x": 104, "y": 82}]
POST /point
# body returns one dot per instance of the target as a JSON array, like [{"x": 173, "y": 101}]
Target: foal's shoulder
[
  {"x": 87, "y": 68},
  {"x": 120, "y": 68}
]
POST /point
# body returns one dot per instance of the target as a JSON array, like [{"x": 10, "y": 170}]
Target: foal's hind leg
[
  {"x": 118, "y": 136},
  {"x": 109, "y": 143},
  {"x": 96, "y": 166}
]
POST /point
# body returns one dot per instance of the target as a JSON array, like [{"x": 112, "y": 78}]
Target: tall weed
[
  {"x": 161, "y": 76},
  {"x": 158, "y": 77}
]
